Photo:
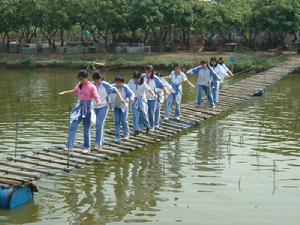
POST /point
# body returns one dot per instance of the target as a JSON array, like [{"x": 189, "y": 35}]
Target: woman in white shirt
[
  {"x": 177, "y": 77},
  {"x": 139, "y": 106}
]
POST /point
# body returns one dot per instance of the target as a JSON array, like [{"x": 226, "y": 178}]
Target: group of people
[
  {"x": 209, "y": 78},
  {"x": 144, "y": 95}
]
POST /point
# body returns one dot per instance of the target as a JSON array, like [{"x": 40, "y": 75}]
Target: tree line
[{"x": 110, "y": 21}]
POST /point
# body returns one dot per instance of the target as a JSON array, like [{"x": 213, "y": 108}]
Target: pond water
[{"x": 240, "y": 168}]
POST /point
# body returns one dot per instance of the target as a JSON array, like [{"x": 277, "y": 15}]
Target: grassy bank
[{"x": 244, "y": 61}]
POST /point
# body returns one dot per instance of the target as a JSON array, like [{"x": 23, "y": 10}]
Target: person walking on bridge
[
  {"x": 104, "y": 89},
  {"x": 83, "y": 110},
  {"x": 121, "y": 108},
  {"x": 155, "y": 84},
  {"x": 177, "y": 77},
  {"x": 205, "y": 74},
  {"x": 139, "y": 106}
]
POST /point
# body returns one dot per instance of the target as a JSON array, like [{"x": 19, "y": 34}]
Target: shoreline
[{"x": 244, "y": 61}]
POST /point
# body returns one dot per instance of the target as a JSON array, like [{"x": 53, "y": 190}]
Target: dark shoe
[
  {"x": 147, "y": 130},
  {"x": 136, "y": 133}
]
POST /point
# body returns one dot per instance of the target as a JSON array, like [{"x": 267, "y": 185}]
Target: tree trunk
[
  {"x": 146, "y": 36},
  {"x": 7, "y": 41},
  {"x": 62, "y": 42},
  {"x": 187, "y": 44},
  {"x": 93, "y": 31},
  {"x": 81, "y": 34}
]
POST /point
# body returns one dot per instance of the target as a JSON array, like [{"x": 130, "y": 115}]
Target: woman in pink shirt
[{"x": 86, "y": 92}]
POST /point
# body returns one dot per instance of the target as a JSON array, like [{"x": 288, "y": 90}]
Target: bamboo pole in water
[
  {"x": 10, "y": 182},
  {"x": 52, "y": 160},
  {"x": 111, "y": 151},
  {"x": 17, "y": 125},
  {"x": 77, "y": 153},
  {"x": 59, "y": 155},
  {"x": 38, "y": 163},
  {"x": 21, "y": 173},
  {"x": 15, "y": 165}
]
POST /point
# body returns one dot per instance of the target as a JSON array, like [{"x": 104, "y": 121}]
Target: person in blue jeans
[
  {"x": 154, "y": 83},
  {"x": 177, "y": 77},
  {"x": 121, "y": 108},
  {"x": 139, "y": 106},
  {"x": 104, "y": 89},
  {"x": 204, "y": 74},
  {"x": 215, "y": 84},
  {"x": 86, "y": 92},
  {"x": 160, "y": 99}
]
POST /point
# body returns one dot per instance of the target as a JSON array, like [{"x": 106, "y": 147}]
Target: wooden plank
[
  {"x": 58, "y": 155},
  {"x": 119, "y": 146},
  {"x": 143, "y": 138},
  {"x": 176, "y": 125},
  {"x": 21, "y": 167},
  {"x": 233, "y": 95},
  {"x": 38, "y": 163},
  {"x": 207, "y": 111},
  {"x": 16, "y": 177},
  {"x": 114, "y": 152},
  {"x": 76, "y": 153},
  {"x": 114, "y": 149},
  {"x": 131, "y": 139},
  {"x": 52, "y": 160},
  {"x": 126, "y": 143},
  {"x": 164, "y": 126},
  {"x": 198, "y": 113},
  {"x": 10, "y": 182},
  {"x": 21, "y": 173}
]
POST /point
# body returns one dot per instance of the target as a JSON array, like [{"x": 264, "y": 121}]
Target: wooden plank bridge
[{"x": 23, "y": 170}]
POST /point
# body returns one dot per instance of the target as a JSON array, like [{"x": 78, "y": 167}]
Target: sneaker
[
  {"x": 126, "y": 137},
  {"x": 166, "y": 118},
  {"x": 86, "y": 150},
  {"x": 157, "y": 127},
  {"x": 117, "y": 140},
  {"x": 98, "y": 147},
  {"x": 66, "y": 149},
  {"x": 136, "y": 133},
  {"x": 177, "y": 118},
  {"x": 147, "y": 130}
]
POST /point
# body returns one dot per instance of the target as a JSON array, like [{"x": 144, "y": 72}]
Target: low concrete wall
[
  {"x": 3, "y": 48},
  {"x": 14, "y": 48},
  {"x": 147, "y": 49},
  {"x": 134, "y": 50},
  {"x": 26, "y": 50}
]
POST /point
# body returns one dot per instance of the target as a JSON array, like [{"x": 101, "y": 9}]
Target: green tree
[
  {"x": 56, "y": 18},
  {"x": 27, "y": 19},
  {"x": 8, "y": 23},
  {"x": 276, "y": 19},
  {"x": 144, "y": 15}
]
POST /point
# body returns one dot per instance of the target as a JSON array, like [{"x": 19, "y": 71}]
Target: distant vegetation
[{"x": 160, "y": 22}]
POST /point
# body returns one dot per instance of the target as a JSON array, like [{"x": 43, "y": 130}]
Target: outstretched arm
[
  {"x": 190, "y": 83},
  {"x": 166, "y": 90},
  {"x": 152, "y": 93},
  {"x": 230, "y": 74},
  {"x": 120, "y": 96},
  {"x": 66, "y": 92}
]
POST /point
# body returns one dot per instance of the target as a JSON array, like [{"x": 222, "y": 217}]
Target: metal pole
[
  {"x": 17, "y": 125},
  {"x": 68, "y": 155}
]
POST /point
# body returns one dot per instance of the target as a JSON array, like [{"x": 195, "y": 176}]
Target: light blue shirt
[{"x": 205, "y": 75}]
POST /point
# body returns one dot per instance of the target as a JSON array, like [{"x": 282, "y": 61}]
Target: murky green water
[{"x": 240, "y": 168}]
